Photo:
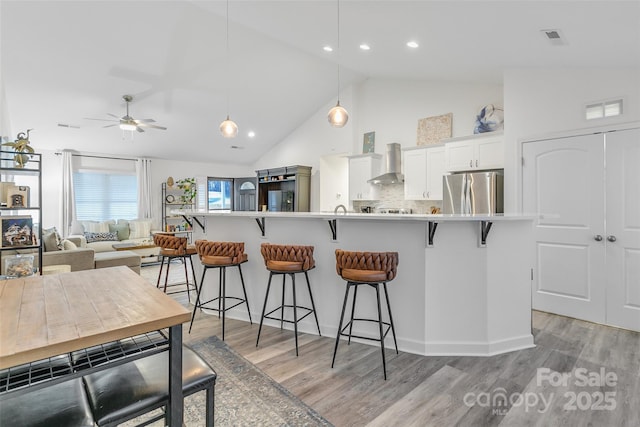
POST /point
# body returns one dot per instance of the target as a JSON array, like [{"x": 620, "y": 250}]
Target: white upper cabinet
[
  {"x": 477, "y": 152},
  {"x": 361, "y": 169},
  {"x": 423, "y": 170}
]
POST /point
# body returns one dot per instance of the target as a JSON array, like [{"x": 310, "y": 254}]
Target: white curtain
[
  {"x": 67, "y": 205},
  {"x": 143, "y": 170}
]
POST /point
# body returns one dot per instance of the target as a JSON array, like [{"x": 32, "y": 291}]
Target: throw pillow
[
  {"x": 97, "y": 227},
  {"x": 68, "y": 245},
  {"x": 122, "y": 230},
  {"x": 100, "y": 237},
  {"x": 51, "y": 239},
  {"x": 140, "y": 229},
  {"x": 76, "y": 227}
]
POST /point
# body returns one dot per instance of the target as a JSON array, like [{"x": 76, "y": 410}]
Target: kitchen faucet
[{"x": 344, "y": 209}]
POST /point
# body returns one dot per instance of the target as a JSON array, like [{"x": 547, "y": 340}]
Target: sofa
[
  {"x": 101, "y": 236},
  {"x": 80, "y": 256},
  {"x": 58, "y": 251}
]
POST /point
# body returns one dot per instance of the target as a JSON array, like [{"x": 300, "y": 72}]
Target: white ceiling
[{"x": 63, "y": 61}]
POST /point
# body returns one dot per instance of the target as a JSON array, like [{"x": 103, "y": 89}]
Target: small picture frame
[
  {"x": 18, "y": 196},
  {"x": 369, "y": 143}
]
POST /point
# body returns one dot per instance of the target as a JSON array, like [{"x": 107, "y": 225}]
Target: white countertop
[{"x": 356, "y": 216}]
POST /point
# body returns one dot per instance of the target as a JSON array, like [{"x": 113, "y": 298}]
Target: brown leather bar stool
[
  {"x": 221, "y": 255},
  {"x": 371, "y": 269},
  {"x": 172, "y": 247},
  {"x": 288, "y": 260}
]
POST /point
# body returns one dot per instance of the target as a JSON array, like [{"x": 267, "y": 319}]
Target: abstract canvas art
[{"x": 432, "y": 129}]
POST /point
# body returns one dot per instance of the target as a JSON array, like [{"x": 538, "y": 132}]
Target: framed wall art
[
  {"x": 369, "y": 143},
  {"x": 17, "y": 231}
]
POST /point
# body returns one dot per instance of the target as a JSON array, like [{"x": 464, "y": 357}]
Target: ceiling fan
[{"x": 127, "y": 122}]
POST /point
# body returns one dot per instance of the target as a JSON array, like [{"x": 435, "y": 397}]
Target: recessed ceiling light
[
  {"x": 365, "y": 46},
  {"x": 251, "y": 134},
  {"x": 412, "y": 44},
  {"x": 327, "y": 49}
]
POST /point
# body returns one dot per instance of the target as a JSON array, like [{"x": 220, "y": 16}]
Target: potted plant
[
  {"x": 21, "y": 146},
  {"x": 189, "y": 188}
]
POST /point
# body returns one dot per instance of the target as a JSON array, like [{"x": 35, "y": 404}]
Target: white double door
[{"x": 586, "y": 192}]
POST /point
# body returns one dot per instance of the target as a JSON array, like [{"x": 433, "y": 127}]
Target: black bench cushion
[
  {"x": 60, "y": 405},
  {"x": 134, "y": 388}
]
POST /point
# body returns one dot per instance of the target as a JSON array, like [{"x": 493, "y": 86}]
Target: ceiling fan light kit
[
  {"x": 128, "y": 123},
  {"x": 338, "y": 116}
]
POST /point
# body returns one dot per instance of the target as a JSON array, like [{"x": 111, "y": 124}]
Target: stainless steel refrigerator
[{"x": 473, "y": 193}]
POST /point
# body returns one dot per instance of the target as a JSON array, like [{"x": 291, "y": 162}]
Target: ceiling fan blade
[
  {"x": 113, "y": 115},
  {"x": 152, "y": 126},
  {"x": 102, "y": 120},
  {"x": 109, "y": 126},
  {"x": 144, "y": 120},
  {"x": 139, "y": 129}
]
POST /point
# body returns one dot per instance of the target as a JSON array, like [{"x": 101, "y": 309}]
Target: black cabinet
[{"x": 285, "y": 189}]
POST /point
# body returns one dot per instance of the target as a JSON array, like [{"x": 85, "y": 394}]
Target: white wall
[
  {"x": 392, "y": 108},
  {"x": 544, "y": 101}
]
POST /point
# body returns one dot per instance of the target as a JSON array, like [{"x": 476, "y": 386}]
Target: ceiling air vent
[{"x": 554, "y": 37}]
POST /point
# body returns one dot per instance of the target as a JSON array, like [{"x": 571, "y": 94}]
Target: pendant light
[
  {"x": 338, "y": 116},
  {"x": 228, "y": 127}
]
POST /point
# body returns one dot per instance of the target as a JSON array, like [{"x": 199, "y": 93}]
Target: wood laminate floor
[{"x": 578, "y": 374}]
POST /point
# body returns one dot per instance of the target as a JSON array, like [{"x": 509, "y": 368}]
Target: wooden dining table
[{"x": 45, "y": 316}]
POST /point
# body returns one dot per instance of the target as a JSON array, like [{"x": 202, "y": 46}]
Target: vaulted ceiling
[{"x": 65, "y": 61}]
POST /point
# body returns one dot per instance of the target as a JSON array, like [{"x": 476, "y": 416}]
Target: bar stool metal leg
[
  {"x": 166, "y": 277},
  {"x": 313, "y": 306},
  {"x": 353, "y": 309},
  {"x": 264, "y": 307},
  {"x": 160, "y": 272},
  {"x": 344, "y": 307},
  {"x": 244, "y": 290},
  {"x": 284, "y": 288},
  {"x": 384, "y": 361},
  {"x": 195, "y": 307},
  {"x": 393, "y": 330},
  {"x": 295, "y": 312},
  {"x": 222, "y": 297}
]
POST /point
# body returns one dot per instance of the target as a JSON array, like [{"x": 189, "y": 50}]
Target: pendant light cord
[
  {"x": 227, "y": 55},
  {"x": 338, "y": 49}
]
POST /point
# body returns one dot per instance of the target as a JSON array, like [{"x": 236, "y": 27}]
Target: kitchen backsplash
[{"x": 392, "y": 196}]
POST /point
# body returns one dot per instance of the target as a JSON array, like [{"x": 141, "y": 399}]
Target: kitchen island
[{"x": 463, "y": 285}]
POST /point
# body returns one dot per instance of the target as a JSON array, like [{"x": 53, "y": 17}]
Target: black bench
[
  {"x": 134, "y": 388},
  {"x": 63, "y": 404}
]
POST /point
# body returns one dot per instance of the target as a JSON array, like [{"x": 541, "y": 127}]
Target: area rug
[{"x": 244, "y": 395}]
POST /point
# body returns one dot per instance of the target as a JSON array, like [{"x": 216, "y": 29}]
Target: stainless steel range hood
[{"x": 393, "y": 175}]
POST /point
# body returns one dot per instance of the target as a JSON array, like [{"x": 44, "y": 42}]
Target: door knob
[
  {"x": 611, "y": 238},
  {"x": 597, "y": 238}
]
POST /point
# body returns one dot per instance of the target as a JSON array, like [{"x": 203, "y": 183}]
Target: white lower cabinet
[
  {"x": 361, "y": 169},
  {"x": 585, "y": 190},
  {"x": 423, "y": 170}
]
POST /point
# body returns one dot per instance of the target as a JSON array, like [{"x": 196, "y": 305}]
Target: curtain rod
[{"x": 95, "y": 156}]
